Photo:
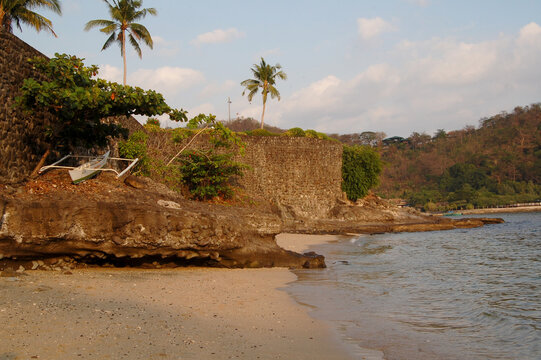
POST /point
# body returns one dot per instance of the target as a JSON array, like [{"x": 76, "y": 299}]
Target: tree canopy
[
  {"x": 361, "y": 167},
  {"x": 78, "y": 101},
  {"x": 124, "y": 14},
  {"x": 22, "y": 12},
  {"x": 265, "y": 77}
]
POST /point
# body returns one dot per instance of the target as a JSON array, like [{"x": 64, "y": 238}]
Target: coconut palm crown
[
  {"x": 22, "y": 12},
  {"x": 265, "y": 77},
  {"x": 123, "y": 15}
]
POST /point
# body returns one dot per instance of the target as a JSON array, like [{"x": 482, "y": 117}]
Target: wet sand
[{"x": 194, "y": 313}]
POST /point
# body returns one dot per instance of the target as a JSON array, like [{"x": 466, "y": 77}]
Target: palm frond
[
  {"x": 135, "y": 45},
  {"x": 141, "y": 33},
  {"x": 109, "y": 41},
  {"x": 98, "y": 23}
]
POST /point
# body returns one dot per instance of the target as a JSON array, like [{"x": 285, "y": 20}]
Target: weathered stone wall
[
  {"x": 21, "y": 135},
  {"x": 304, "y": 174}
]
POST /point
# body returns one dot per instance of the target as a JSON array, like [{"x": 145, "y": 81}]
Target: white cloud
[
  {"x": 532, "y": 30},
  {"x": 218, "y": 36},
  {"x": 216, "y": 89},
  {"x": 206, "y": 108},
  {"x": 110, "y": 73},
  {"x": 421, "y": 3},
  {"x": 437, "y": 83},
  {"x": 164, "y": 47},
  {"x": 166, "y": 79},
  {"x": 370, "y": 28}
]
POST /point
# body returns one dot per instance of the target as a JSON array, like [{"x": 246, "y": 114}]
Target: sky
[{"x": 397, "y": 66}]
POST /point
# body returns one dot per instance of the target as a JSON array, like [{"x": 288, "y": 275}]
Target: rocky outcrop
[{"x": 105, "y": 221}]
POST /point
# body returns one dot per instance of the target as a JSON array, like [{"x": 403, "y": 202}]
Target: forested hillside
[{"x": 497, "y": 163}]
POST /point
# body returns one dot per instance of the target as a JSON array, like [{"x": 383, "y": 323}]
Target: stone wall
[
  {"x": 21, "y": 135},
  {"x": 302, "y": 174}
]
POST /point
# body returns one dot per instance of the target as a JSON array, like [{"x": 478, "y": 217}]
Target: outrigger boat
[{"x": 91, "y": 168}]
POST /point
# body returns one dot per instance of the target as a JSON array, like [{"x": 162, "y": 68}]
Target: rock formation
[{"x": 106, "y": 221}]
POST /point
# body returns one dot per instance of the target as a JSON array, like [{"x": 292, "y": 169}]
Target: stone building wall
[
  {"x": 301, "y": 175},
  {"x": 21, "y": 135},
  {"x": 304, "y": 174}
]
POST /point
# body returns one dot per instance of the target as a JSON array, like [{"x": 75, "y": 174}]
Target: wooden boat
[
  {"x": 89, "y": 169},
  {"x": 92, "y": 167}
]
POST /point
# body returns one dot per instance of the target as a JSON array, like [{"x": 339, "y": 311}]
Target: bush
[
  {"x": 136, "y": 147},
  {"x": 153, "y": 121},
  {"x": 207, "y": 174},
  {"x": 361, "y": 167},
  {"x": 295, "y": 132},
  {"x": 260, "y": 132},
  {"x": 179, "y": 134}
]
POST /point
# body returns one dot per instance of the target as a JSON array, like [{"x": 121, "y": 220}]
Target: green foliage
[
  {"x": 122, "y": 26},
  {"x": 78, "y": 102},
  {"x": 153, "y": 121},
  {"x": 15, "y": 12},
  {"x": 207, "y": 174},
  {"x": 180, "y": 134},
  {"x": 265, "y": 76},
  {"x": 260, "y": 132},
  {"x": 136, "y": 148},
  {"x": 361, "y": 167},
  {"x": 295, "y": 132}
]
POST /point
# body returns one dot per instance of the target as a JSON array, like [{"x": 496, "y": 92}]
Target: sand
[{"x": 188, "y": 313}]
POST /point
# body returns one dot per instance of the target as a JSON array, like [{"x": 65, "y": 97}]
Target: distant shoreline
[{"x": 517, "y": 209}]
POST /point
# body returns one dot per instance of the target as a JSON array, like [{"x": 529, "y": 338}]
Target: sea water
[{"x": 459, "y": 294}]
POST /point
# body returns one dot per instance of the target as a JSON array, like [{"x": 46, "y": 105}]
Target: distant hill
[{"x": 498, "y": 162}]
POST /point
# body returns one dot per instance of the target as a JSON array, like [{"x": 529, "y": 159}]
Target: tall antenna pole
[{"x": 229, "y": 107}]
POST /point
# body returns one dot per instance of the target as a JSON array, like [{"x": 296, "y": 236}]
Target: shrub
[
  {"x": 179, "y": 134},
  {"x": 295, "y": 132},
  {"x": 361, "y": 167},
  {"x": 260, "y": 132},
  {"x": 136, "y": 147},
  {"x": 153, "y": 121},
  {"x": 207, "y": 174}
]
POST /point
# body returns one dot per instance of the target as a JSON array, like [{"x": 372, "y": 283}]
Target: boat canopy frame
[{"x": 56, "y": 165}]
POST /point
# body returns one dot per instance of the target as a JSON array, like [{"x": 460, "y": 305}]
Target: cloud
[
  {"x": 370, "y": 28},
  {"x": 110, "y": 73},
  {"x": 431, "y": 84},
  {"x": 166, "y": 79},
  {"x": 206, "y": 108},
  {"x": 421, "y": 3},
  {"x": 164, "y": 47},
  {"x": 216, "y": 89},
  {"x": 218, "y": 36}
]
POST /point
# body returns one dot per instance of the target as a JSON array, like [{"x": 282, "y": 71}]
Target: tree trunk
[
  {"x": 124, "y": 53},
  {"x": 263, "y": 114},
  {"x": 41, "y": 162}
]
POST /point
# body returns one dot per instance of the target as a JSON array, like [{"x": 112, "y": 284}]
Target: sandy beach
[{"x": 186, "y": 313}]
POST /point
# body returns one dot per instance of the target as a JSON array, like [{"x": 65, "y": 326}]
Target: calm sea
[{"x": 460, "y": 294}]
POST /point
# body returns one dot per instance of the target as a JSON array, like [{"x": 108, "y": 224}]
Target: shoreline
[
  {"x": 185, "y": 313},
  {"x": 302, "y": 243},
  {"x": 518, "y": 209}
]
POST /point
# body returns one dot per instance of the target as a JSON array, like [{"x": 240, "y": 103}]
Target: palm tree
[
  {"x": 20, "y": 11},
  {"x": 123, "y": 14},
  {"x": 265, "y": 76}
]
